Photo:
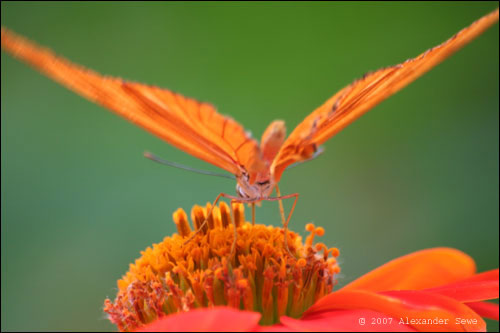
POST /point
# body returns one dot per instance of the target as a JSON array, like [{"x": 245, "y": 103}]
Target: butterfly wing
[
  {"x": 354, "y": 100},
  {"x": 187, "y": 124}
]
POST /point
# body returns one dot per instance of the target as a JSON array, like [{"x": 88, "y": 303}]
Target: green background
[{"x": 79, "y": 201}]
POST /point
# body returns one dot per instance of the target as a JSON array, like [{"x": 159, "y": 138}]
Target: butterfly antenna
[{"x": 157, "y": 159}]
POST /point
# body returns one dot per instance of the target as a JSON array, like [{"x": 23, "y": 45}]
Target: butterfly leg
[
  {"x": 233, "y": 200},
  {"x": 235, "y": 236},
  {"x": 285, "y": 222},
  {"x": 253, "y": 213},
  {"x": 206, "y": 219}
]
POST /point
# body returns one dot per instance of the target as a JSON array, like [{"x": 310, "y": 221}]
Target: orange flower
[{"x": 194, "y": 286}]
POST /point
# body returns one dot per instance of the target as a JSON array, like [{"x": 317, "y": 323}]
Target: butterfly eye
[{"x": 240, "y": 192}]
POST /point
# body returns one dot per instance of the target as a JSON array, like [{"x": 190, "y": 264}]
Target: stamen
[
  {"x": 198, "y": 217},
  {"x": 181, "y": 221},
  {"x": 312, "y": 229},
  {"x": 335, "y": 252},
  {"x": 224, "y": 214},
  {"x": 216, "y": 215},
  {"x": 239, "y": 213},
  {"x": 210, "y": 219},
  {"x": 301, "y": 263},
  {"x": 322, "y": 247},
  {"x": 176, "y": 275},
  {"x": 319, "y": 231}
]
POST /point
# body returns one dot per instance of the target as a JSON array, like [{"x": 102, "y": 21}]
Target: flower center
[{"x": 261, "y": 276}]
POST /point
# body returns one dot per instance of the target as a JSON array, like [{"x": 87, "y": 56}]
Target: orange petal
[
  {"x": 479, "y": 287},
  {"x": 422, "y": 269},
  {"x": 346, "y": 321},
  {"x": 484, "y": 276},
  {"x": 276, "y": 328},
  {"x": 218, "y": 319},
  {"x": 407, "y": 307},
  {"x": 485, "y": 309}
]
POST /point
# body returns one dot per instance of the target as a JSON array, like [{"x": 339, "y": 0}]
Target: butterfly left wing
[
  {"x": 354, "y": 100},
  {"x": 187, "y": 124}
]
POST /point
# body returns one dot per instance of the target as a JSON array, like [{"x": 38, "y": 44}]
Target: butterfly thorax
[{"x": 255, "y": 181}]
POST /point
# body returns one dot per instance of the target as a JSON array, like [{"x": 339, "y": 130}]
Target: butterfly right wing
[
  {"x": 362, "y": 95},
  {"x": 187, "y": 124}
]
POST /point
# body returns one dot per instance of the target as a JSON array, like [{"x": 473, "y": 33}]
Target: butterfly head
[{"x": 260, "y": 188}]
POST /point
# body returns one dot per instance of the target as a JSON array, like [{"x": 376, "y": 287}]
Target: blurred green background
[{"x": 79, "y": 201}]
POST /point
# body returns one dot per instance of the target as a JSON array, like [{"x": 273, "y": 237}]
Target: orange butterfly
[{"x": 196, "y": 127}]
